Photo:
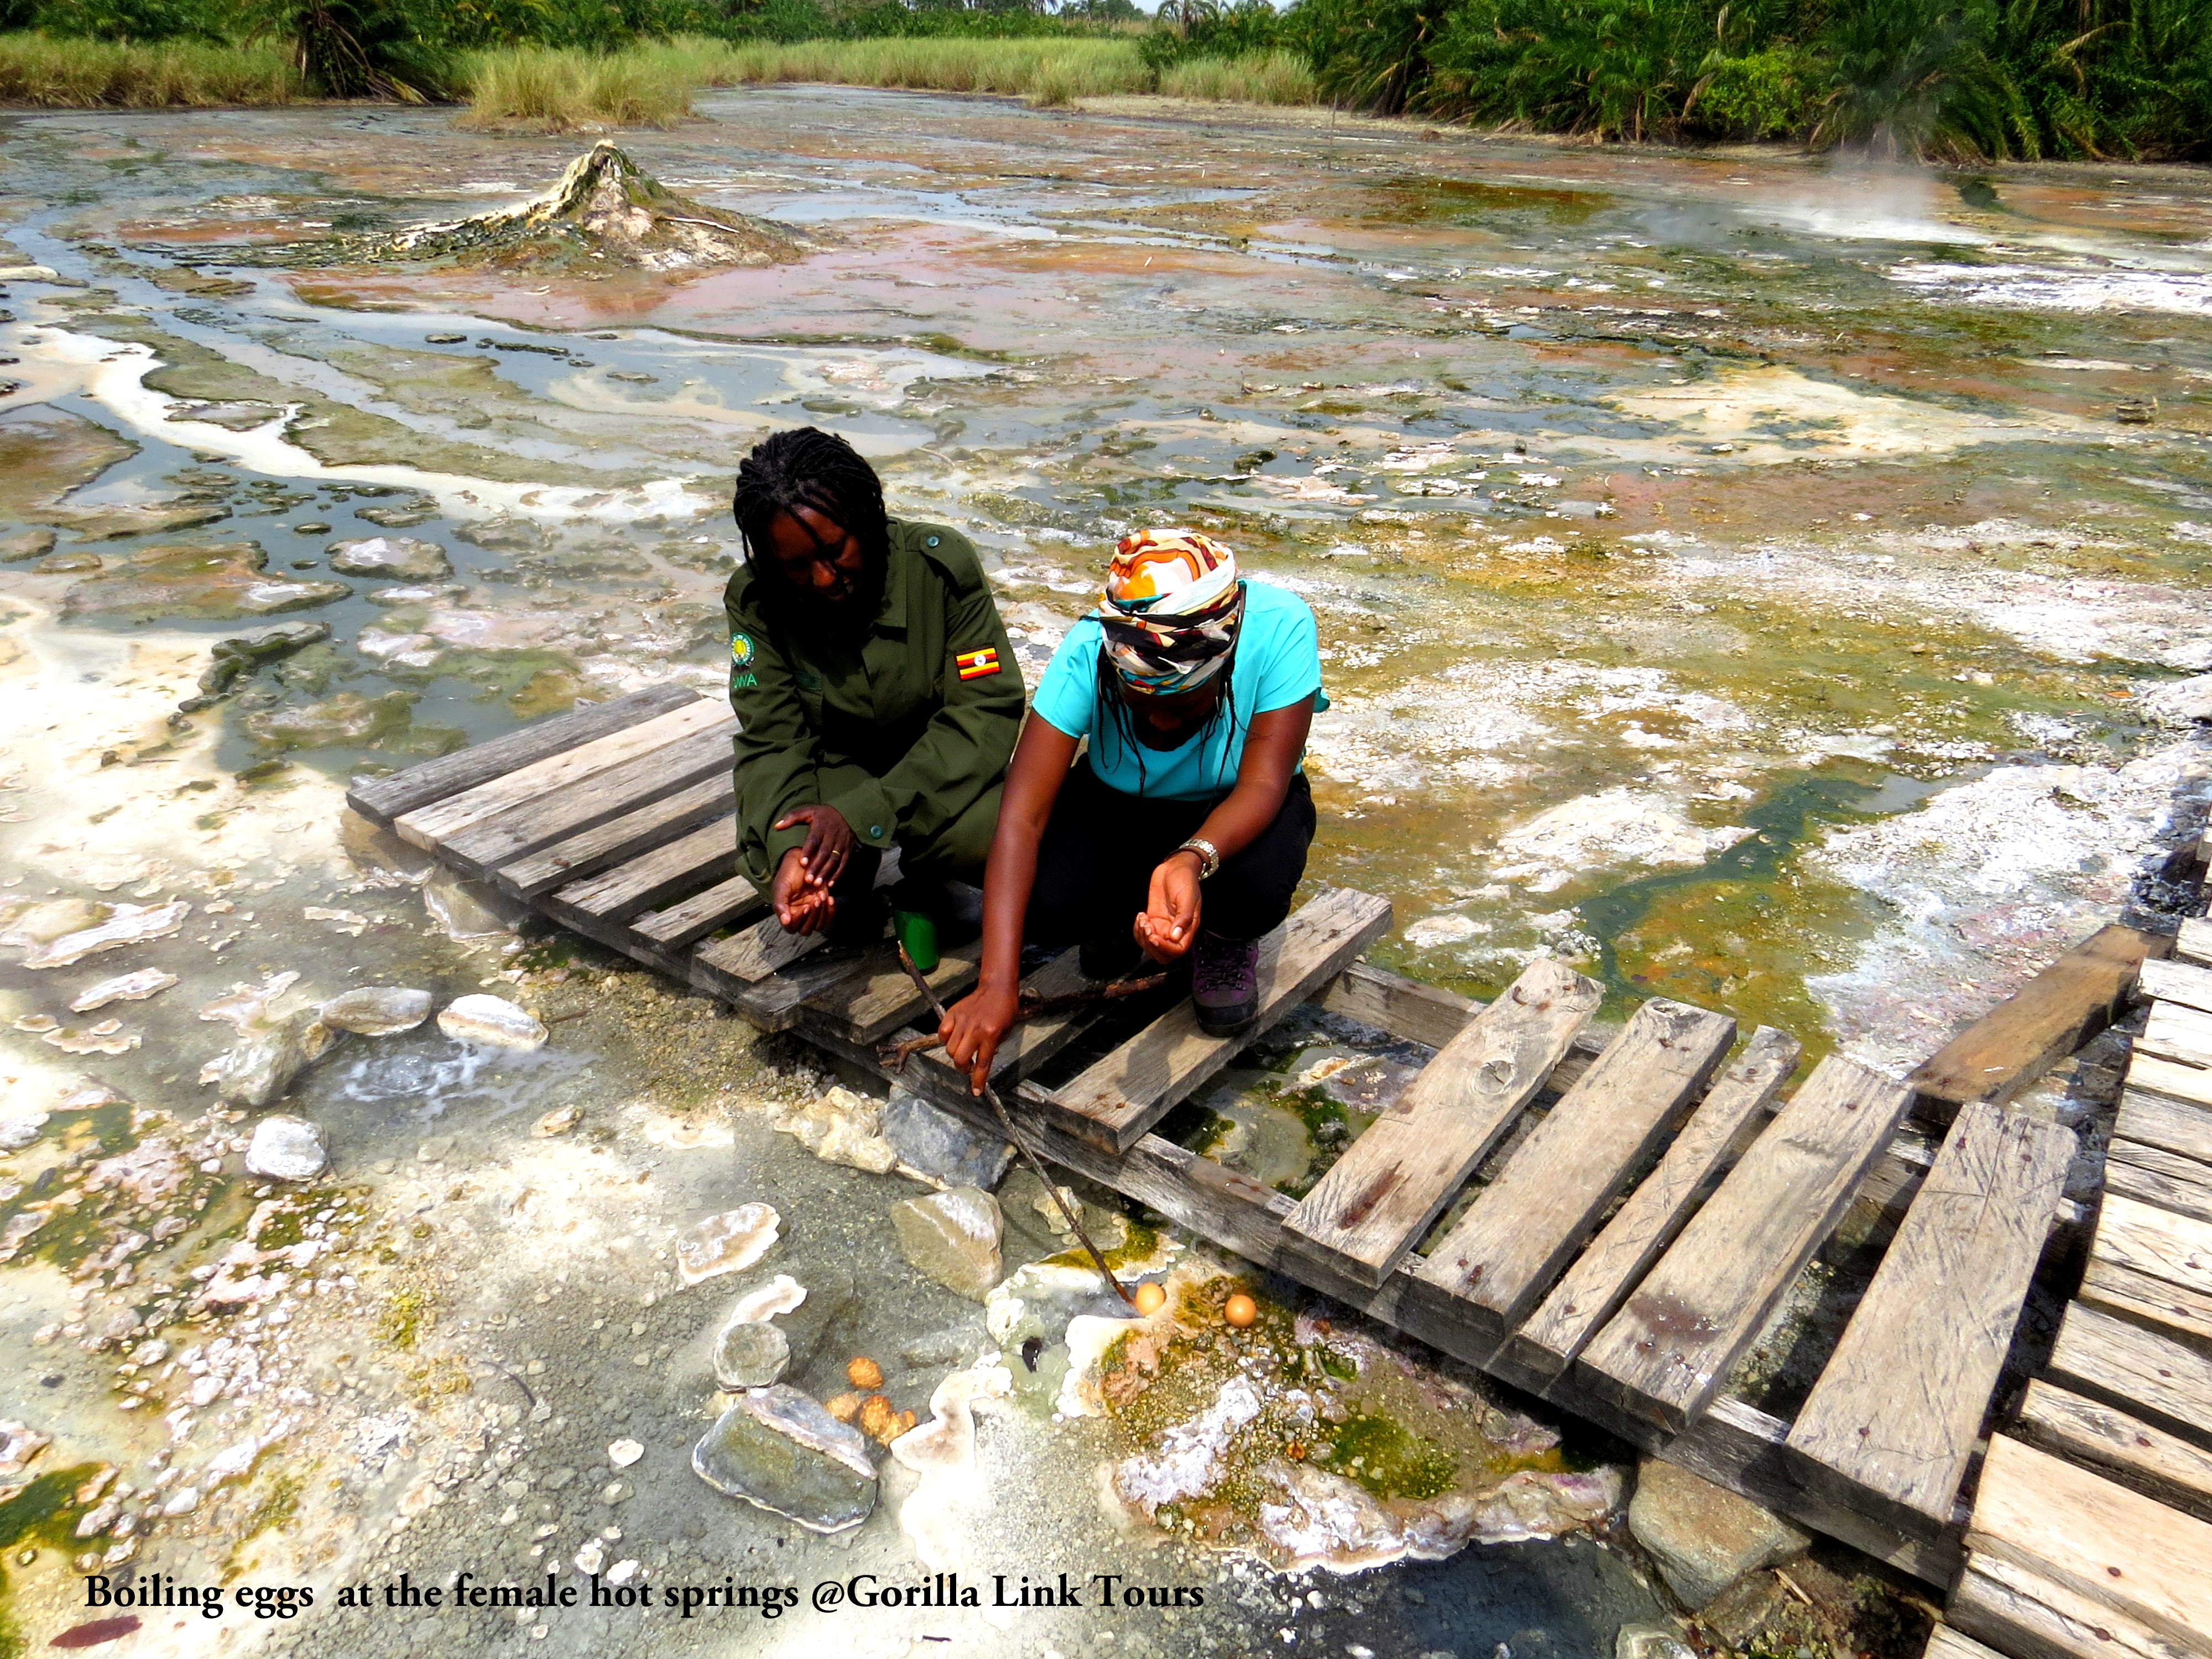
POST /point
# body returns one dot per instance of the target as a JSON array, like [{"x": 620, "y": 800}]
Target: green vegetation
[{"x": 1937, "y": 78}]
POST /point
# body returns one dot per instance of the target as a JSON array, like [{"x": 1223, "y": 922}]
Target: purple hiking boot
[{"x": 1224, "y": 984}]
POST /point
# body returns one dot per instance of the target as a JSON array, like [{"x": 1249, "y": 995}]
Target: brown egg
[
  {"x": 865, "y": 1374},
  {"x": 1150, "y": 1298},
  {"x": 1240, "y": 1310},
  {"x": 879, "y": 1420}
]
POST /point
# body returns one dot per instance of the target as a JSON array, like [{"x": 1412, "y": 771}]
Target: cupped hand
[
  {"x": 972, "y": 1030},
  {"x": 803, "y": 903},
  {"x": 1169, "y": 924},
  {"x": 829, "y": 843}
]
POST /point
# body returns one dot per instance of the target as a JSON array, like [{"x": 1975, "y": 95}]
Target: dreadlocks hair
[{"x": 810, "y": 468}]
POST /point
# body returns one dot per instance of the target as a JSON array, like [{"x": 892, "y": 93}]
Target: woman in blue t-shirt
[{"x": 1185, "y": 828}]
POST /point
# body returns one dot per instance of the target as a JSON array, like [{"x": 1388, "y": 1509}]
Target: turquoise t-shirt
[{"x": 1278, "y": 664}]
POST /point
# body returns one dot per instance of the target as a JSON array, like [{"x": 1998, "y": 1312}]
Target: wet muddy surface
[{"x": 1737, "y": 574}]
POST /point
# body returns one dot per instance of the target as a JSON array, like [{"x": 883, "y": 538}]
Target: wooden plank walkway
[
  {"x": 2091, "y": 1532},
  {"x": 1653, "y": 1209}
]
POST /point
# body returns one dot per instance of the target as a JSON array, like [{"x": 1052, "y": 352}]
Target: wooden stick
[
  {"x": 1013, "y": 1140},
  {"x": 896, "y": 1055}
]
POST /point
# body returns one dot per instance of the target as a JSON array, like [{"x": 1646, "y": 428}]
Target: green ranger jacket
[{"x": 900, "y": 729}]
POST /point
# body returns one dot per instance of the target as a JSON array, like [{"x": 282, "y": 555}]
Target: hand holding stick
[{"x": 1021, "y": 1146}]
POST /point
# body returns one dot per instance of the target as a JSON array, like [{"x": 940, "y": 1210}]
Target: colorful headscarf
[{"x": 1170, "y": 610}]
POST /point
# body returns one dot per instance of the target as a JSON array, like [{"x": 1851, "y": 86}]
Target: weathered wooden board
[
  {"x": 2175, "y": 1247},
  {"x": 430, "y": 827},
  {"x": 1603, "y": 1276},
  {"x": 1377, "y": 1200},
  {"x": 2177, "y": 1032},
  {"x": 2098, "y": 1538},
  {"x": 2118, "y": 1447},
  {"x": 2139, "y": 1297},
  {"x": 751, "y": 954},
  {"x": 2157, "y": 1121},
  {"x": 2191, "y": 1085},
  {"x": 705, "y": 855},
  {"x": 1665, "y": 1354},
  {"x": 1526, "y": 1224},
  {"x": 1029, "y": 1044},
  {"x": 2193, "y": 944},
  {"x": 1944, "y": 1643},
  {"x": 382, "y": 799},
  {"x": 1128, "y": 1090},
  {"x": 2040, "y": 1023},
  {"x": 1898, "y": 1408},
  {"x": 544, "y": 819},
  {"x": 1404, "y": 1007},
  {"x": 2177, "y": 981},
  {"x": 618, "y": 840},
  {"x": 2142, "y": 1373},
  {"x": 700, "y": 914},
  {"x": 2028, "y": 1615},
  {"x": 2155, "y": 1176},
  {"x": 863, "y": 1007}
]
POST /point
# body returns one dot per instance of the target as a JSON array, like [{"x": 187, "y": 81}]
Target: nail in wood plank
[
  {"x": 1607, "y": 1270},
  {"x": 2040, "y": 1023},
  {"x": 427, "y": 826},
  {"x": 1897, "y": 1409},
  {"x": 2096, "y": 1537},
  {"x": 1377, "y": 1200},
  {"x": 2152, "y": 1377},
  {"x": 2121, "y": 1447},
  {"x": 589, "y": 802},
  {"x": 2028, "y": 1615},
  {"x": 2175, "y": 1247},
  {"x": 382, "y": 799},
  {"x": 2139, "y": 1297},
  {"x": 1125, "y": 1093},
  {"x": 1665, "y": 1354},
  {"x": 1523, "y": 1226},
  {"x": 619, "y": 840}
]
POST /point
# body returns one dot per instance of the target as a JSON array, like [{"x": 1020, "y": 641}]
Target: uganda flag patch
[{"x": 974, "y": 664}]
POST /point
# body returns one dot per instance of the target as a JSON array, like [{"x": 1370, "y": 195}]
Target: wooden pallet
[
  {"x": 1652, "y": 1210},
  {"x": 2092, "y": 1527}
]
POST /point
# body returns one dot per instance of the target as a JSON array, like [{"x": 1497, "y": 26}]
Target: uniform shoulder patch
[
  {"x": 975, "y": 664},
  {"x": 741, "y": 650}
]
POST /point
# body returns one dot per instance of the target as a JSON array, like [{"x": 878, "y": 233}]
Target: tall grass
[
  {"x": 1052, "y": 71},
  {"x": 557, "y": 91},
  {"x": 1258, "y": 77},
  {"x": 79, "y": 74}
]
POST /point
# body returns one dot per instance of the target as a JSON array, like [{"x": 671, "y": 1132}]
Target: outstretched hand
[{"x": 1169, "y": 923}]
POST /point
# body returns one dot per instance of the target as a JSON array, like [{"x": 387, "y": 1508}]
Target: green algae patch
[
  {"x": 275, "y": 1508},
  {"x": 1382, "y": 1455},
  {"x": 44, "y": 1513}
]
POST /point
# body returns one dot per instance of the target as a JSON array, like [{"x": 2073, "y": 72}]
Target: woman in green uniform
[{"x": 876, "y": 697}]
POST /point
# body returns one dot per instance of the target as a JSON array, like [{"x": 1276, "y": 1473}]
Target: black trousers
[{"x": 1094, "y": 864}]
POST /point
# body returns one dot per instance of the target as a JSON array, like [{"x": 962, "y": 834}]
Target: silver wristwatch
[{"x": 1209, "y": 855}]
